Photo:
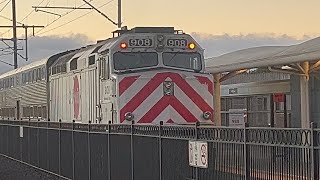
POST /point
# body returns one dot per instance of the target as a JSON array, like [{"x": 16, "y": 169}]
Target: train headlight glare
[
  {"x": 129, "y": 116},
  {"x": 207, "y": 115},
  {"x": 192, "y": 46},
  {"x": 123, "y": 45}
]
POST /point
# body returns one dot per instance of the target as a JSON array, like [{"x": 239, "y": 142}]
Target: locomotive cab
[{"x": 150, "y": 75}]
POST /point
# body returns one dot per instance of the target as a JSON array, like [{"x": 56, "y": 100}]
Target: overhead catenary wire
[
  {"x": 3, "y": 1},
  {"x": 32, "y": 11},
  {"x": 12, "y": 49},
  {"x": 1, "y": 11},
  {"x": 37, "y": 33},
  {"x": 5, "y": 61},
  {"x": 61, "y": 17},
  {"x": 10, "y": 19},
  {"x": 5, "y": 6}
]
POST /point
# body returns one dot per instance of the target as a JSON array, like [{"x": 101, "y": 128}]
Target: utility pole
[
  {"x": 14, "y": 26},
  {"x": 119, "y": 14},
  {"x": 25, "y": 27}
]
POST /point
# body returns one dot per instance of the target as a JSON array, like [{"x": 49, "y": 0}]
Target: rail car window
[
  {"x": 38, "y": 74},
  {"x": 35, "y": 75},
  {"x": 10, "y": 82},
  {"x": 182, "y": 60},
  {"x": 92, "y": 60},
  {"x": 7, "y": 83},
  {"x": 29, "y": 77},
  {"x": 74, "y": 64},
  {"x": 43, "y": 72},
  {"x": 133, "y": 60},
  {"x": 24, "y": 79},
  {"x": 63, "y": 68},
  {"x": 18, "y": 79},
  {"x": 44, "y": 111}
]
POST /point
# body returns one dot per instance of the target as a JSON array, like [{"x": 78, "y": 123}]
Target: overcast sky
[{"x": 220, "y": 26}]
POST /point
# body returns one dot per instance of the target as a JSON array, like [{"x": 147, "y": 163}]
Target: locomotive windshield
[
  {"x": 133, "y": 60},
  {"x": 182, "y": 60}
]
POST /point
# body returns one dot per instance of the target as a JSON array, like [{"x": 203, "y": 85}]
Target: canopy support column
[
  {"x": 304, "y": 104},
  {"x": 217, "y": 100}
]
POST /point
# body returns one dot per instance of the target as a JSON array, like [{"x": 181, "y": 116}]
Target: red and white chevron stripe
[{"x": 143, "y": 96}]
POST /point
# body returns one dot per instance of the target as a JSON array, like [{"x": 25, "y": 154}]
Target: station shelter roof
[{"x": 265, "y": 56}]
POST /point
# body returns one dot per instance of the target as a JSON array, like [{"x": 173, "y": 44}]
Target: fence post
[
  {"x": 7, "y": 138},
  {"x": 38, "y": 143},
  {"x": 131, "y": 150},
  {"x": 246, "y": 153},
  {"x": 73, "y": 155},
  {"x": 29, "y": 150},
  {"x": 313, "y": 152},
  {"x": 109, "y": 155},
  {"x": 196, "y": 138},
  {"x": 48, "y": 144},
  {"x": 89, "y": 151},
  {"x": 21, "y": 141},
  {"x": 160, "y": 150},
  {"x": 59, "y": 146}
]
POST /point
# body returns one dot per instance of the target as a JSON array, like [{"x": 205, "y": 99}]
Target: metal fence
[{"x": 149, "y": 152}]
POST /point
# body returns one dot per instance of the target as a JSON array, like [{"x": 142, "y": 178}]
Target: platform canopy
[
  {"x": 265, "y": 56},
  {"x": 300, "y": 59}
]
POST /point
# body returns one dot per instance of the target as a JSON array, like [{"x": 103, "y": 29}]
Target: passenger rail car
[{"x": 146, "y": 75}]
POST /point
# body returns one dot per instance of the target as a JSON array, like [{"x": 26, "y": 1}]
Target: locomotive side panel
[
  {"x": 88, "y": 95},
  {"x": 61, "y": 98}
]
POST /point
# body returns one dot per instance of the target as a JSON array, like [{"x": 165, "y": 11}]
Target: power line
[
  {"x": 60, "y": 18},
  {"x": 10, "y": 19},
  {"x": 101, "y": 13},
  {"x": 5, "y": 54},
  {"x": 5, "y": 6},
  {"x": 37, "y": 33},
  {"x": 3, "y": 1},
  {"x": 1, "y": 11},
  {"x": 5, "y": 32},
  {"x": 32, "y": 11},
  {"x": 6, "y": 62}
]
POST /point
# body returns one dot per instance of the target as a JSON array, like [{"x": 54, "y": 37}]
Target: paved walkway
[{"x": 13, "y": 170}]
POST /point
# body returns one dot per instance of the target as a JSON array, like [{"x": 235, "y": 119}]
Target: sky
[{"x": 220, "y": 26}]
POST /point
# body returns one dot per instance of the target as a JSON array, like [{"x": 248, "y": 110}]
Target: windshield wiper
[
  {"x": 124, "y": 71},
  {"x": 175, "y": 54}
]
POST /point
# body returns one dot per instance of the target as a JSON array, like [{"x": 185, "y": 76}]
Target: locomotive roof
[
  {"x": 87, "y": 50},
  {"x": 24, "y": 68}
]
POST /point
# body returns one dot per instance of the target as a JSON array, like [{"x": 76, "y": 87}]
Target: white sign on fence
[
  {"x": 21, "y": 131},
  {"x": 236, "y": 117},
  {"x": 198, "y": 154}
]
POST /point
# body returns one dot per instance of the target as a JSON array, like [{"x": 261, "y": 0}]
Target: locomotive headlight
[
  {"x": 168, "y": 84},
  {"x": 192, "y": 46},
  {"x": 206, "y": 115},
  {"x": 168, "y": 88},
  {"x": 129, "y": 116},
  {"x": 123, "y": 45}
]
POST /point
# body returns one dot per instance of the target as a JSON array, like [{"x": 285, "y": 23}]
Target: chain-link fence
[{"x": 161, "y": 152}]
